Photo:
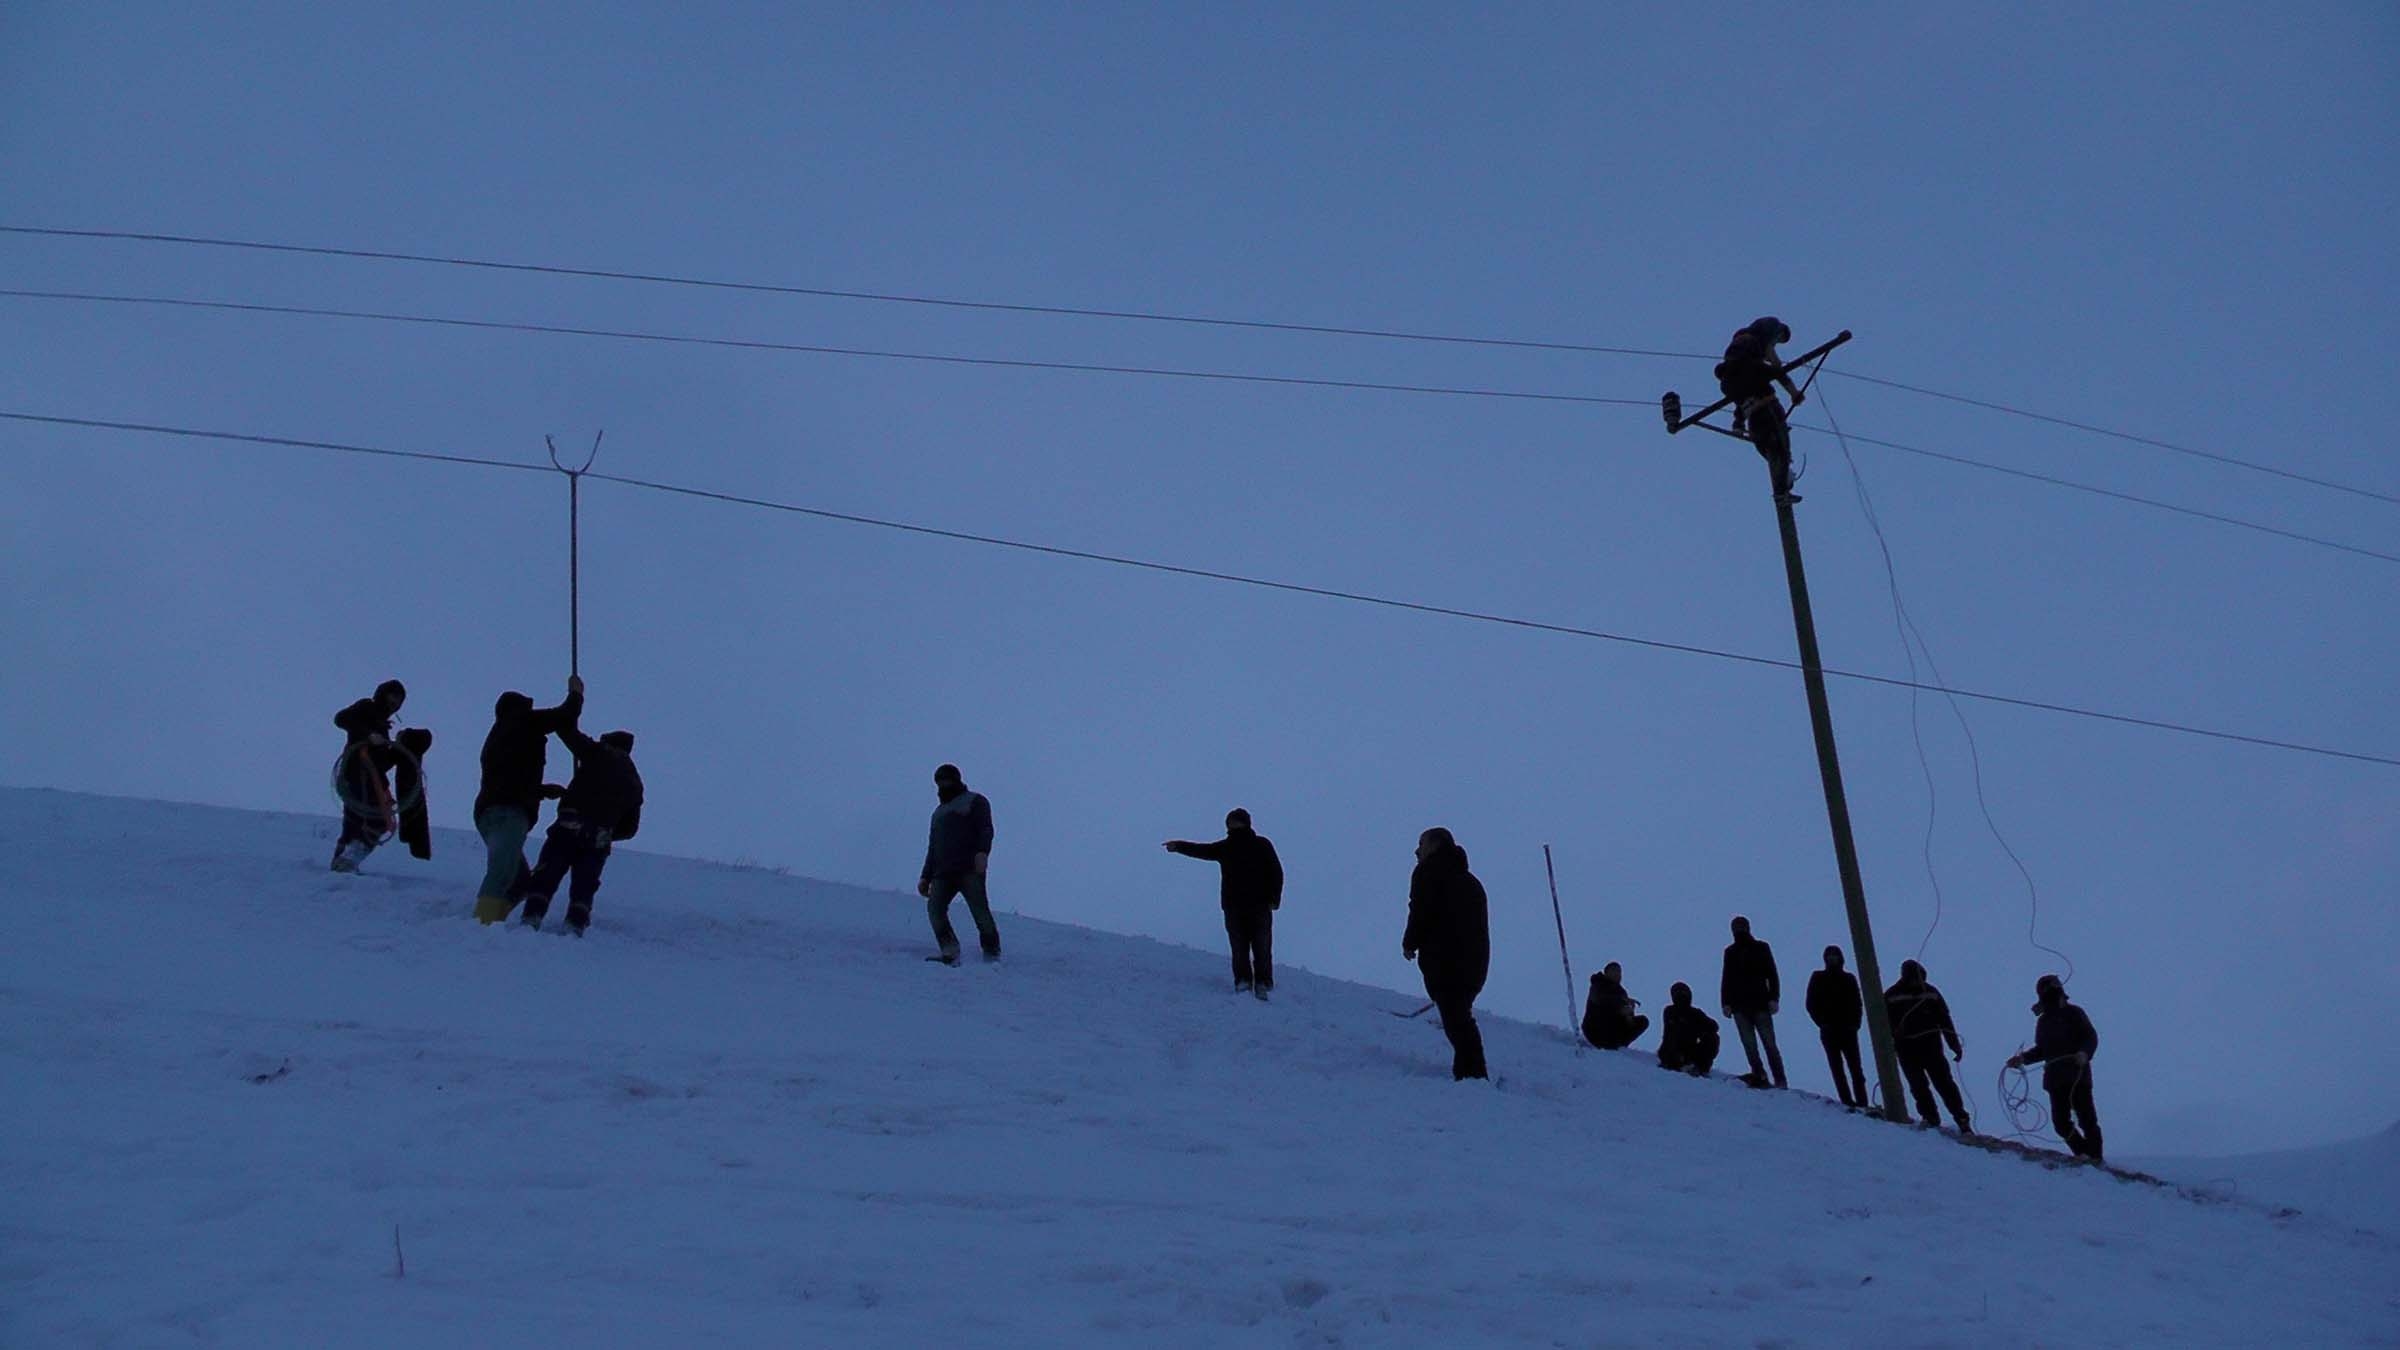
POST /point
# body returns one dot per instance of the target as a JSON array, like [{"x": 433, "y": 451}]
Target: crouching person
[
  {"x": 1609, "y": 1019},
  {"x": 1688, "y": 1043},
  {"x": 602, "y": 805}
]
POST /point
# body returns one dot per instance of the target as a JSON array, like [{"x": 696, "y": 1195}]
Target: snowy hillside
[
  {"x": 2356, "y": 1181},
  {"x": 745, "y": 1112}
]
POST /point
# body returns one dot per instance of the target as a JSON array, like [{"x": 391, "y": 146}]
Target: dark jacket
[
  {"x": 2062, "y": 1032},
  {"x": 606, "y": 791},
  {"x": 517, "y": 752},
  {"x": 962, "y": 828},
  {"x": 1449, "y": 923},
  {"x": 1919, "y": 1012},
  {"x": 364, "y": 720},
  {"x": 408, "y": 785},
  {"x": 1834, "y": 1003},
  {"x": 1689, "y": 1037},
  {"x": 1607, "y": 1007},
  {"x": 1250, "y": 876},
  {"x": 1750, "y": 984}
]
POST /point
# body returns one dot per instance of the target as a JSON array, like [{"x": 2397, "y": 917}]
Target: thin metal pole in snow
[
  {"x": 574, "y": 547},
  {"x": 1565, "y": 967}
]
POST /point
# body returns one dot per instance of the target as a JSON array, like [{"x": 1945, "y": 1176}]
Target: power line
[
  {"x": 1262, "y": 583},
  {"x": 828, "y": 293},
  {"x": 751, "y": 344},
  {"x": 2112, "y": 493},
  {"x": 2114, "y": 434},
  {"x": 155, "y": 429},
  {"x": 816, "y": 349},
  {"x": 1144, "y": 316}
]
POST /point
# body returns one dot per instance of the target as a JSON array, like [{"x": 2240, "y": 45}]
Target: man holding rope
[
  {"x": 369, "y": 815},
  {"x": 2064, "y": 1042}
]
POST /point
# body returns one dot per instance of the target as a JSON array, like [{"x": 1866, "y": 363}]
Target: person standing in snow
[
  {"x": 1250, "y": 889},
  {"x": 1835, "y": 1005},
  {"x": 368, "y": 813},
  {"x": 515, "y": 755},
  {"x": 1920, "y": 1024},
  {"x": 1609, "y": 1020},
  {"x": 1751, "y": 994},
  {"x": 958, "y": 852},
  {"x": 603, "y": 804},
  {"x": 1748, "y": 376},
  {"x": 2064, "y": 1041},
  {"x": 1688, "y": 1042},
  {"x": 1450, "y": 938}
]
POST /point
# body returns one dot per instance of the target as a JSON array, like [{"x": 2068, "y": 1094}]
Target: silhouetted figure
[
  {"x": 516, "y": 755},
  {"x": 408, "y": 788},
  {"x": 1688, "y": 1040},
  {"x": 1836, "y": 1006},
  {"x": 369, "y": 814},
  {"x": 1751, "y": 994},
  {"x": 1920, "y": 1025},
  {"x": 1609, "y": 1020},
  {"x": 1450, "y": 938},
  {"x": 2064, "y": 1041},
  {"x": 1250, "y": 889},
  {"x": 603, "y": 804},
  {"x": 1748, "y": 376},
  {"x": 958, "y": 852}
]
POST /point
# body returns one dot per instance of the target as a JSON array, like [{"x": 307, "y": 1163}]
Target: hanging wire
[{"x": 2033, "y": 894}]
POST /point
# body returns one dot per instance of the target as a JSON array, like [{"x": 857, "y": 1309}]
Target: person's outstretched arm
[{"x": 566, "y": 714}]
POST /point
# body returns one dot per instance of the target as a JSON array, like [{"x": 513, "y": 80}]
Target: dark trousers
[
  {"x": 1841, "y": 1048},
  {"x": 2071, "y": 1103},
  {"x": 360, "y": 836},
  {"x": 1457, "y": 1010},
  {"x": 571, "y": 848},
  {"x": 1251, "y": 932},
  {"x": 1928, "y": 1073},
  {"x": 1772, "y": 436},
  {"x": 1616, "y": 1033},
  {"x": 941, "y": 892},
  {"x": 1753, "y": 1027},
  {"x": 1691, "y": 1059}
]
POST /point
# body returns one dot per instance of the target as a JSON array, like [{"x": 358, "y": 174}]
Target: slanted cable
[{"x": 2033, "y": 893}]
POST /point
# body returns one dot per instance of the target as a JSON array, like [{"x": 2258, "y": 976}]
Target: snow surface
[
  {"x": 2356, "y": 1181},
  {"x": 745, "y": 1111}
]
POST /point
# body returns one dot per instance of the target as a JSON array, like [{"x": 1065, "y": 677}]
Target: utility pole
[
  {"x": 574, "y": 547},
  {"x": 1837, "y": 810},
  {"x": 1829, "y": 763}
]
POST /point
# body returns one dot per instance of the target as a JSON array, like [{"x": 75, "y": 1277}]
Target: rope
[
  {"x": 1910, "y": 631},
  {"x": 2027, "y": 1118}
]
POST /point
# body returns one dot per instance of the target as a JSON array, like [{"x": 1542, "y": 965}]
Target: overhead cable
[
  {"x": 1145, "y": 316},
  {"x": 1264, "y": 583}
]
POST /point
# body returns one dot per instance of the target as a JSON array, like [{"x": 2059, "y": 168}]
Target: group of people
[
  {"x": 1448, "y": 934},
  {"x": 1750, "y": 994},
  {"x": 600, "y": 804}
]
